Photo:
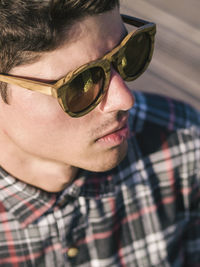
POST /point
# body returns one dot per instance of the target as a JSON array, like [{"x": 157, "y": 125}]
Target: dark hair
[{"x": 29, "y": 27}]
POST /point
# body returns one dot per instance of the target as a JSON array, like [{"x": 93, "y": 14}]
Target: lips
[{"x": 117, "y": 135}]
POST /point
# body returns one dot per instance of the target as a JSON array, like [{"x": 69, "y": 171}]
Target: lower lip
[{"x": 115, "y": 138}]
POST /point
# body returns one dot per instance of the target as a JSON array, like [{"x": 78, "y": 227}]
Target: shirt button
[{"x": 72, "y": 252}]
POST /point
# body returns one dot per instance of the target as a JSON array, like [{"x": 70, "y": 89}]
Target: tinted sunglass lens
[
  {"x": 84, "y": 90},
  {"x": 136, "y": 54}
]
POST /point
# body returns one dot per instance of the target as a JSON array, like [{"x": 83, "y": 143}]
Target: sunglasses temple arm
[
  {"x": 134, "y": 21},
  {"x": 46, "y": 89}
]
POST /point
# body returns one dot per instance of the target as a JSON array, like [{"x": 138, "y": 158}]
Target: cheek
[
  {"x": 39, "y": 108},
  {"x": 32, "y": 108},
  {"x": 34, "y": 114},
  {"x": 38, "y": 125}
]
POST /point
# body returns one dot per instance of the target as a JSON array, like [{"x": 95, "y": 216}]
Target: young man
[{"x": 90, "y": 174}]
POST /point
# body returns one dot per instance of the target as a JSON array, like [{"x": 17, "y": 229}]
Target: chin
[{"x": 109, "y": 160}]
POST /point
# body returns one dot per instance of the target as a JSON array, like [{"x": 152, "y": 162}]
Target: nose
[{"x": 118, "y": 96}]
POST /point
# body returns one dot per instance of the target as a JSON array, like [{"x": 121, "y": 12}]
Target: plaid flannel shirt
[{"x": 145, "y": 212}]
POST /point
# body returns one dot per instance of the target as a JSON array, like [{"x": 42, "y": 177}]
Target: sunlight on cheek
[{"x": 40, "y": 108}]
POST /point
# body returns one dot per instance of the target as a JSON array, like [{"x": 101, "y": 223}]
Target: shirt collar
[
  {"x": 25, "y": 202},
  {"x": 28, "y": 203}
]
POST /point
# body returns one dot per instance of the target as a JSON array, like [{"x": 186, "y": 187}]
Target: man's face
[{"x": 37, "y": 125}]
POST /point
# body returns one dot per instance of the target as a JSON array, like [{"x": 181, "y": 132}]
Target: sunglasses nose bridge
[{"x": 114, "y": 62}]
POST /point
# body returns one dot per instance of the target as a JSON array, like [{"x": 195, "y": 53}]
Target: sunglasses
[{"x": 81, "y": 90}]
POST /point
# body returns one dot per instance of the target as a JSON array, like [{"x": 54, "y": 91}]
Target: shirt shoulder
[
  {"x": 164, "y": 143},
  {"x": 162, "y": 111}
]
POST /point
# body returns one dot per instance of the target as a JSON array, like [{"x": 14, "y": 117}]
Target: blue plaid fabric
[{"x": 143, "y": 213}]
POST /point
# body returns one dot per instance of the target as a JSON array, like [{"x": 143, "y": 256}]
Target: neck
[{"x": 49, "y": 175}]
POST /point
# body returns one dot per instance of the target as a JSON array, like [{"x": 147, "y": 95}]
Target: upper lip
[{"x": 120, "y": 125}]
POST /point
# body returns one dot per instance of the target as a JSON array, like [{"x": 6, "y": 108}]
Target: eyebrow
[
  {"x": 124, "y": 34},
  {"x": 51, "y": 82}
]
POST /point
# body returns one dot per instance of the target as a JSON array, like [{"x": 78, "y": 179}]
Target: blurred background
[{"x": 175, "y": 67}]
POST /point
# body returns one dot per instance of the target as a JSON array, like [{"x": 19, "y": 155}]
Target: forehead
[{"x": 88, "y": 39}]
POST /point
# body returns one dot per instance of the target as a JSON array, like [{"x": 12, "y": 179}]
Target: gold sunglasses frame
[{"x": 58, "y": 89}]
